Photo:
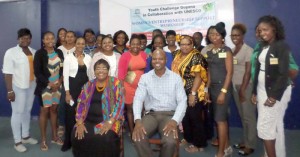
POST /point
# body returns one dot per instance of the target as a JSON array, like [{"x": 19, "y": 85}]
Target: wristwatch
[{"x": 193, "y": 93}]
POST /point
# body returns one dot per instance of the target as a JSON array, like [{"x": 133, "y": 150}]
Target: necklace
[
  {"x": 100, "y": 89},
  {"x": 216, "y": 50},
  {"x": 77, "y": 56}
]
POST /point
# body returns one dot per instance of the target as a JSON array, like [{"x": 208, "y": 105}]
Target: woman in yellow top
[{"x": 191, "y": 66}]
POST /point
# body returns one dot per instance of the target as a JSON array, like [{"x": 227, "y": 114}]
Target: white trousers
[
  {"x": 270, "y": 125},
  {"x": 21, "y": 111}
]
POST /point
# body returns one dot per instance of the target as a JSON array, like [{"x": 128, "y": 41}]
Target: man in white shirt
[{"x": 162, "y": 92}]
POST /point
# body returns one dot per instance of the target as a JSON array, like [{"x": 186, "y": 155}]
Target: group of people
[{"x": 89, "y": 86}]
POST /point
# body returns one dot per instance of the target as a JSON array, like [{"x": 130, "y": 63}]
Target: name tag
[
  {"x": 222, "y": 55},
  {"x": 273, "y": 61},
  {"x": 235, "y": 61}
]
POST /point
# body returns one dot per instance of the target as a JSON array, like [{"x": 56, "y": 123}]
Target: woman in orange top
[{"x": 131, "y": 68}]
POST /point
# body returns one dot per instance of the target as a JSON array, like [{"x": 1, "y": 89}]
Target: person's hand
[
  {"x": 123, "y": 90},
  {"x": 221, "y": 98},
  {"x": 55, "y": 87},
  {"x": 80, "y": 130},
  {"x": 11, "y": 96},
  {"x": 170, "y": 127},
  {"x": 270, "y": 102},
  {"x": 52, "y": 86},
  {"x": 207, "y": 98},
  {"x": 192, "y": 100},
  {"x": 139, "y": 131},
  {"x": 68, "y": 98},
  {"x": 105, "y": 128},
  {"x": 242, "y": 96},
  {"x": 254, "y": 99}
]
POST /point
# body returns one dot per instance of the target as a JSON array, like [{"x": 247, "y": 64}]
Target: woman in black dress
[
  {"x": 75, "y": 76},
  {"x": 99, "y": 115}
]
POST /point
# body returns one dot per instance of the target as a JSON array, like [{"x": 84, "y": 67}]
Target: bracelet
[
  {"x": 272, "y": 102},
  {"x": 10, "y": 92},
  {"x": 224, "y": 90},
  {"x": 206, "y": 90},
  {"x": 78, "y": 124}
]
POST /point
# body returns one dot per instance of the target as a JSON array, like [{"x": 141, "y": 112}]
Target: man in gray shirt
[{"x": 162, "y": 93}]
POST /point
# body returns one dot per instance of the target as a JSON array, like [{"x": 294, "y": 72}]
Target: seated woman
[{"x": 99, "y": 115}]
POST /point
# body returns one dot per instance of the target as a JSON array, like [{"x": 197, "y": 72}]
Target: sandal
[
  {"x": 193, "y": 149},
  {"x": 58, "y": 141},
  {"x": 215, "y": 142},
  {"x": 238, "y": 146},
  {"x": 183, "y": 142},
  {"x": 44, "y": 146}
]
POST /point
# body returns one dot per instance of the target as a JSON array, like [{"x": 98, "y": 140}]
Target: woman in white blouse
[
  {"x": 20, "y": 84},
  {"x": 75, "y": 76},
  {"x": 107, "y": 54},
  {"x": 68, "y": 47}
]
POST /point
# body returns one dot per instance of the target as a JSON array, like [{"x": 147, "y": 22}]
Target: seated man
[{"x": 162, "y": 92}]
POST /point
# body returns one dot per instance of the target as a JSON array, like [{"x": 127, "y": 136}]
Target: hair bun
[{"x": 220, "y": 24}]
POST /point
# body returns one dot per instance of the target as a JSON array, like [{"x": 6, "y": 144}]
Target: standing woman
[
  {"x": 192, "y": 67},
  {"x": 99, "y": 39},
  {"x": 69, "y": 46},
  {"x": 48, "y": 69},
  {"x": 20, "y": 84},
  {"x": 159, "y": 41},
  {"x": 220, "y": 72},
  {"x": 271, "y": 87},
  {"x": 131, "y": 67},
  {"x": 242, "y": 89},
  {"x": 61, "y": 35},
  {"x": 171, "y": 40},
  {"x": 75, "y": 76},
  {"x": 107, "y": 54},
  {"x": 120, "y": 39}
]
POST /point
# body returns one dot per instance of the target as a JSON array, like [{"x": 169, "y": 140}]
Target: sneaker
[
  {"x": 20, "y": 148},
  {"x": 30, "y": 141}
]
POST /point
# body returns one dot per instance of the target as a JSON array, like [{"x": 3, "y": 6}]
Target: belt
[{"x": 152, "y": 111}]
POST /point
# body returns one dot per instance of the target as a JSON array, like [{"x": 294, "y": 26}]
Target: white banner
[{"x": 183, "y": 18}]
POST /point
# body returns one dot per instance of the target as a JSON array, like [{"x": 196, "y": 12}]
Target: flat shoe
[
  {"x": 193, "y": 149},
  {"x": 246, "y": 151},
  {"x": 183, "y": 142},
  {"x": 238, "y": 146}
]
